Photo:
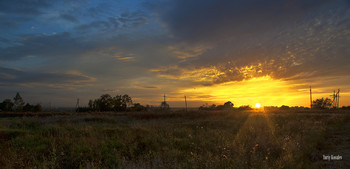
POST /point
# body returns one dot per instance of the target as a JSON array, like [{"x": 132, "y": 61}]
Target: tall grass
[{"x": 222, "y": 139}]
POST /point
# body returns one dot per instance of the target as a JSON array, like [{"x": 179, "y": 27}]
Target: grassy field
[{"x": 217, "y": 139}]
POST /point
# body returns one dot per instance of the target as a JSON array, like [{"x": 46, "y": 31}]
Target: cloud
[
  {"x": 9, "y": 76},
  {"x": 247, "y": 39},
  {"x": 111, "y": 90},
  {"x": 213, "y": 20},
  {"x": 24, "y": 7},
  {"x": 69, "y": 18},
  {"x": 115, "y": 23},
  {"x": 54, "y": 45}
]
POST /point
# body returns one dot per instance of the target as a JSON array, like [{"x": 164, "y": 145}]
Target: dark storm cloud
[
  {"x": 283, "y": 39},
  {"x": 19, "y": 77},
  {"x": 208, "y": 19}
]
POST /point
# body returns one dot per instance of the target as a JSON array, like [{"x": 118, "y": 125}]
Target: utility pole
[
  {"x": 338, "y": 94},
  {"x": 77, "y": 106},
  {"x": 164, "y": 98},
  {"x": 310, "y": 98},
  {"x": 186, "y": 104}
]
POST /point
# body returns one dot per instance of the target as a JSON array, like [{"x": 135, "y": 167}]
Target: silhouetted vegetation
[
  {"x": 18, "y": 102},
  {"x": 284, "y": 107},
  {"x": 19, "y": 105},
  {"x": 323, "y": 103},
  {"x": 108, "y": 103},
  {"x": 117, "y": 103},
  {"x": 32, "y": 108},
  {"x": 227, "y": 106},
  {"x": 245, "y": 107},
  {"x": 138, "y": 107},
  {"x": 6, "y": 105},
  {"x": 203, "y": 139},
  {"x": 207, "y": 107}
]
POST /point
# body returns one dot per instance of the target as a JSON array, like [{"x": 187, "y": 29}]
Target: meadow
[{"x": 195, "y": 139}]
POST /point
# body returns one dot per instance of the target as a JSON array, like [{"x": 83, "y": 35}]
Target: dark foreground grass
[{"x": 226, "y": 139}]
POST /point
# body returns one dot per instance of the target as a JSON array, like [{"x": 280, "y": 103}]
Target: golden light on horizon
[
  {"x": 257, "y": 105},
  {"x": 274, "y": 92}
]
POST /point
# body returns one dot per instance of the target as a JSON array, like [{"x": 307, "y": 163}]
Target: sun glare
[
  {"x": 274, "y": 92},
  {"x": 257, "y": 105}
]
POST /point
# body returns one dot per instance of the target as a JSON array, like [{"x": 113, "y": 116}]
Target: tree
[
  {"x": 126, "y": 100},
  {"x": 7, "y": 105},
  {"x": 27, "y": 108},
  {"x": 228, "y": 105},
  {"x": 37, "y": 108},
  {"x": 138, "y": 107},
  {"x": 323, "y": 103},
  {"x": 32, "y": 108},
  {"x": 18, "y": 102},
  {"x": 284, "y": 107},
  {"x": 245, "y": 107},
  {"x": 211, "y": 107},
  {"x": 91, "y": 104},
  {"x": 106, "y": 103}
]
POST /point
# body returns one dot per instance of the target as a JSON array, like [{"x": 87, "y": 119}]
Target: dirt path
[{"x": 338, "y": 145}]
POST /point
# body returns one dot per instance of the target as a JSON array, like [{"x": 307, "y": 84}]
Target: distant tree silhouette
[
  {"x": 7, "y": 105},
  {"x": 138, "y": 107},
  {"x": 246, "y": 107},
  {"x": 19, "y": 105},
  {"x": 122, "y": 102},
  {"x": 18, "y": 102},
  {"x": 284, "y": 107},
  {"x": 32, "y": 108},
  {"x": 323, "y": 103},
  {"x": 108, "y": 103},
  {"x": 27, "y": 107},
  {"x": 91, "y": 104},
  {"x": 228, "y": 105},
  {"x": 37, "y": 108}
]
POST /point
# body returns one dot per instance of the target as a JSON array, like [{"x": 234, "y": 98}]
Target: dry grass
[{"x": 222, "y": 139}]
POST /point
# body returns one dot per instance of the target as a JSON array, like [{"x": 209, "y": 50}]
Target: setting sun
[{"x": 257, "y": 105}]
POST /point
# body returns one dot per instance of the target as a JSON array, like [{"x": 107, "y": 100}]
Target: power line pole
[
  {"x": 77, "y": 106},
  {"x": 186, "y": 104},
  {"x": 310, "y": 98},
  {"x": 164, "y": 98},
  {"x": 338, "y": 94}
]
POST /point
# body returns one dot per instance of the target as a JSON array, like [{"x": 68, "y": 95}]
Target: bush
[
  {"x": 32, "y": 108},
  {"x": 283, "y": 107},
  {"x": 323, "y": 103},
  {"x": 245, "y": 107}
]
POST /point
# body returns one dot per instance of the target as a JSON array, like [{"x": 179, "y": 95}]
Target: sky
[{"x": 211, "y": 51}]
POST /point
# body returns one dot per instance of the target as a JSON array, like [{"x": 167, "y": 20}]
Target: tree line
[
  {"x": 117, "y": 103},
  {"x": 18, "y": 105}
]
